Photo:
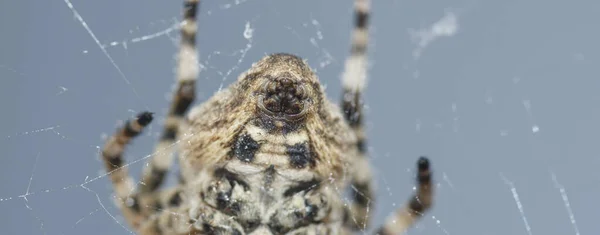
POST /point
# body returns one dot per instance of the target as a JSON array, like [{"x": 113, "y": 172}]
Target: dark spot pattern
[
  {"x": 424, "y": 175},
  {"x": 113, "y": 162},
  {"x": 302, "y": 186},
  {"x": 416, "y": 206},
  {"x": 135, "y": 205},
  {"x": 311, "y": 212},
  {"x": 361, "y": 19},
  {"x": 158, "y": 206},
  {"x": 231, "y": 177},
  {"x": 300, "y": 155},
  {"x": 223, "y": 199},
  {"x": 145, "y": 118},
  {"x": 269, "y": 176},
  {"x": 245, "y": 147},
  {"x": 250, "y": 225},
  {"x": 169, "y": 134},
  {"x": 190, "y": 10},
  {"x": 361, "y": 145},
  {"x": 156, "y": 178},
  {"x": 383, "y": 231},
  {"x": 175, "y": 200},
  {"x": 185, "y": 95},
  {"x": 351, "y": 107},
  {"x": 361, "y": 194},
  {"x": 129, "y": 131},
  {"x": 303, "y": 218}
]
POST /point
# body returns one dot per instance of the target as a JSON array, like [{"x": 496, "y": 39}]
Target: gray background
[{"x": 505, "y": 54}]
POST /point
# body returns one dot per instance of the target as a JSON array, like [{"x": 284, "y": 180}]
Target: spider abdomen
[
  {"x": 267, "y": 182},
  {"x": 255, "y": 196}
]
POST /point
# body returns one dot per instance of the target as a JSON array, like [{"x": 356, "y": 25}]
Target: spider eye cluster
[{"x": 283, "y": 97}]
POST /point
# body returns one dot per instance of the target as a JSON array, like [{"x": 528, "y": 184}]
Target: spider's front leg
[
  {"x": 354, "y": 81},
  {"x": 123, "y": 184},
  {"x": 136, "y": 207},
  {"x": 154, "y": 173},
  {"x": 187, "y": 72}
]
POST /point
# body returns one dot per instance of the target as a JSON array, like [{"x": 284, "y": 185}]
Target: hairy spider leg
[
  {"x": 154, "y": 172},
  {"x": 354, "y": 79}
]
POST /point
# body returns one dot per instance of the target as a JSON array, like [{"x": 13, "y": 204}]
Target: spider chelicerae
[{"x": 268, "y": 155}]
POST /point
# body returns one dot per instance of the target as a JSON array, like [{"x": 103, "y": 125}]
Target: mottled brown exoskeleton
[{"x": 268, "y": 155}]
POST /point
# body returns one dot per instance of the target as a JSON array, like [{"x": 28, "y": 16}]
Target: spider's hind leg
[
  {"x": 353, "y": 82},
  {"x": 417, "y": 205},
  {"x": 187, "y": 72}
]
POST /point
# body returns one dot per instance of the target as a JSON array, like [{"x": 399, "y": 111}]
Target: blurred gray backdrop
[{"x": 502, "y": 97}]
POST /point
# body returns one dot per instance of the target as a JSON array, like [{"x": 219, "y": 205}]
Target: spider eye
[{"x": 283, "y": 97}]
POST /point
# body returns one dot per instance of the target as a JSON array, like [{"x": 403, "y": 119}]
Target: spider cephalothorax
[{"x": 270, "y": 154}]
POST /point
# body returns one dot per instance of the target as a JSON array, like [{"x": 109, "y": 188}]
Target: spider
[{"x": 268, "y": 155}]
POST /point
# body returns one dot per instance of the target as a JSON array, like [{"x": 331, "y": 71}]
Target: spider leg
[
  {"x": 418, "y": 204},
  {"x": 112, "y": 155},
  {"x": 354, "y": 81},
  {"x": 154, "y": 172},
  {"x": 187, "y": 72}
]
